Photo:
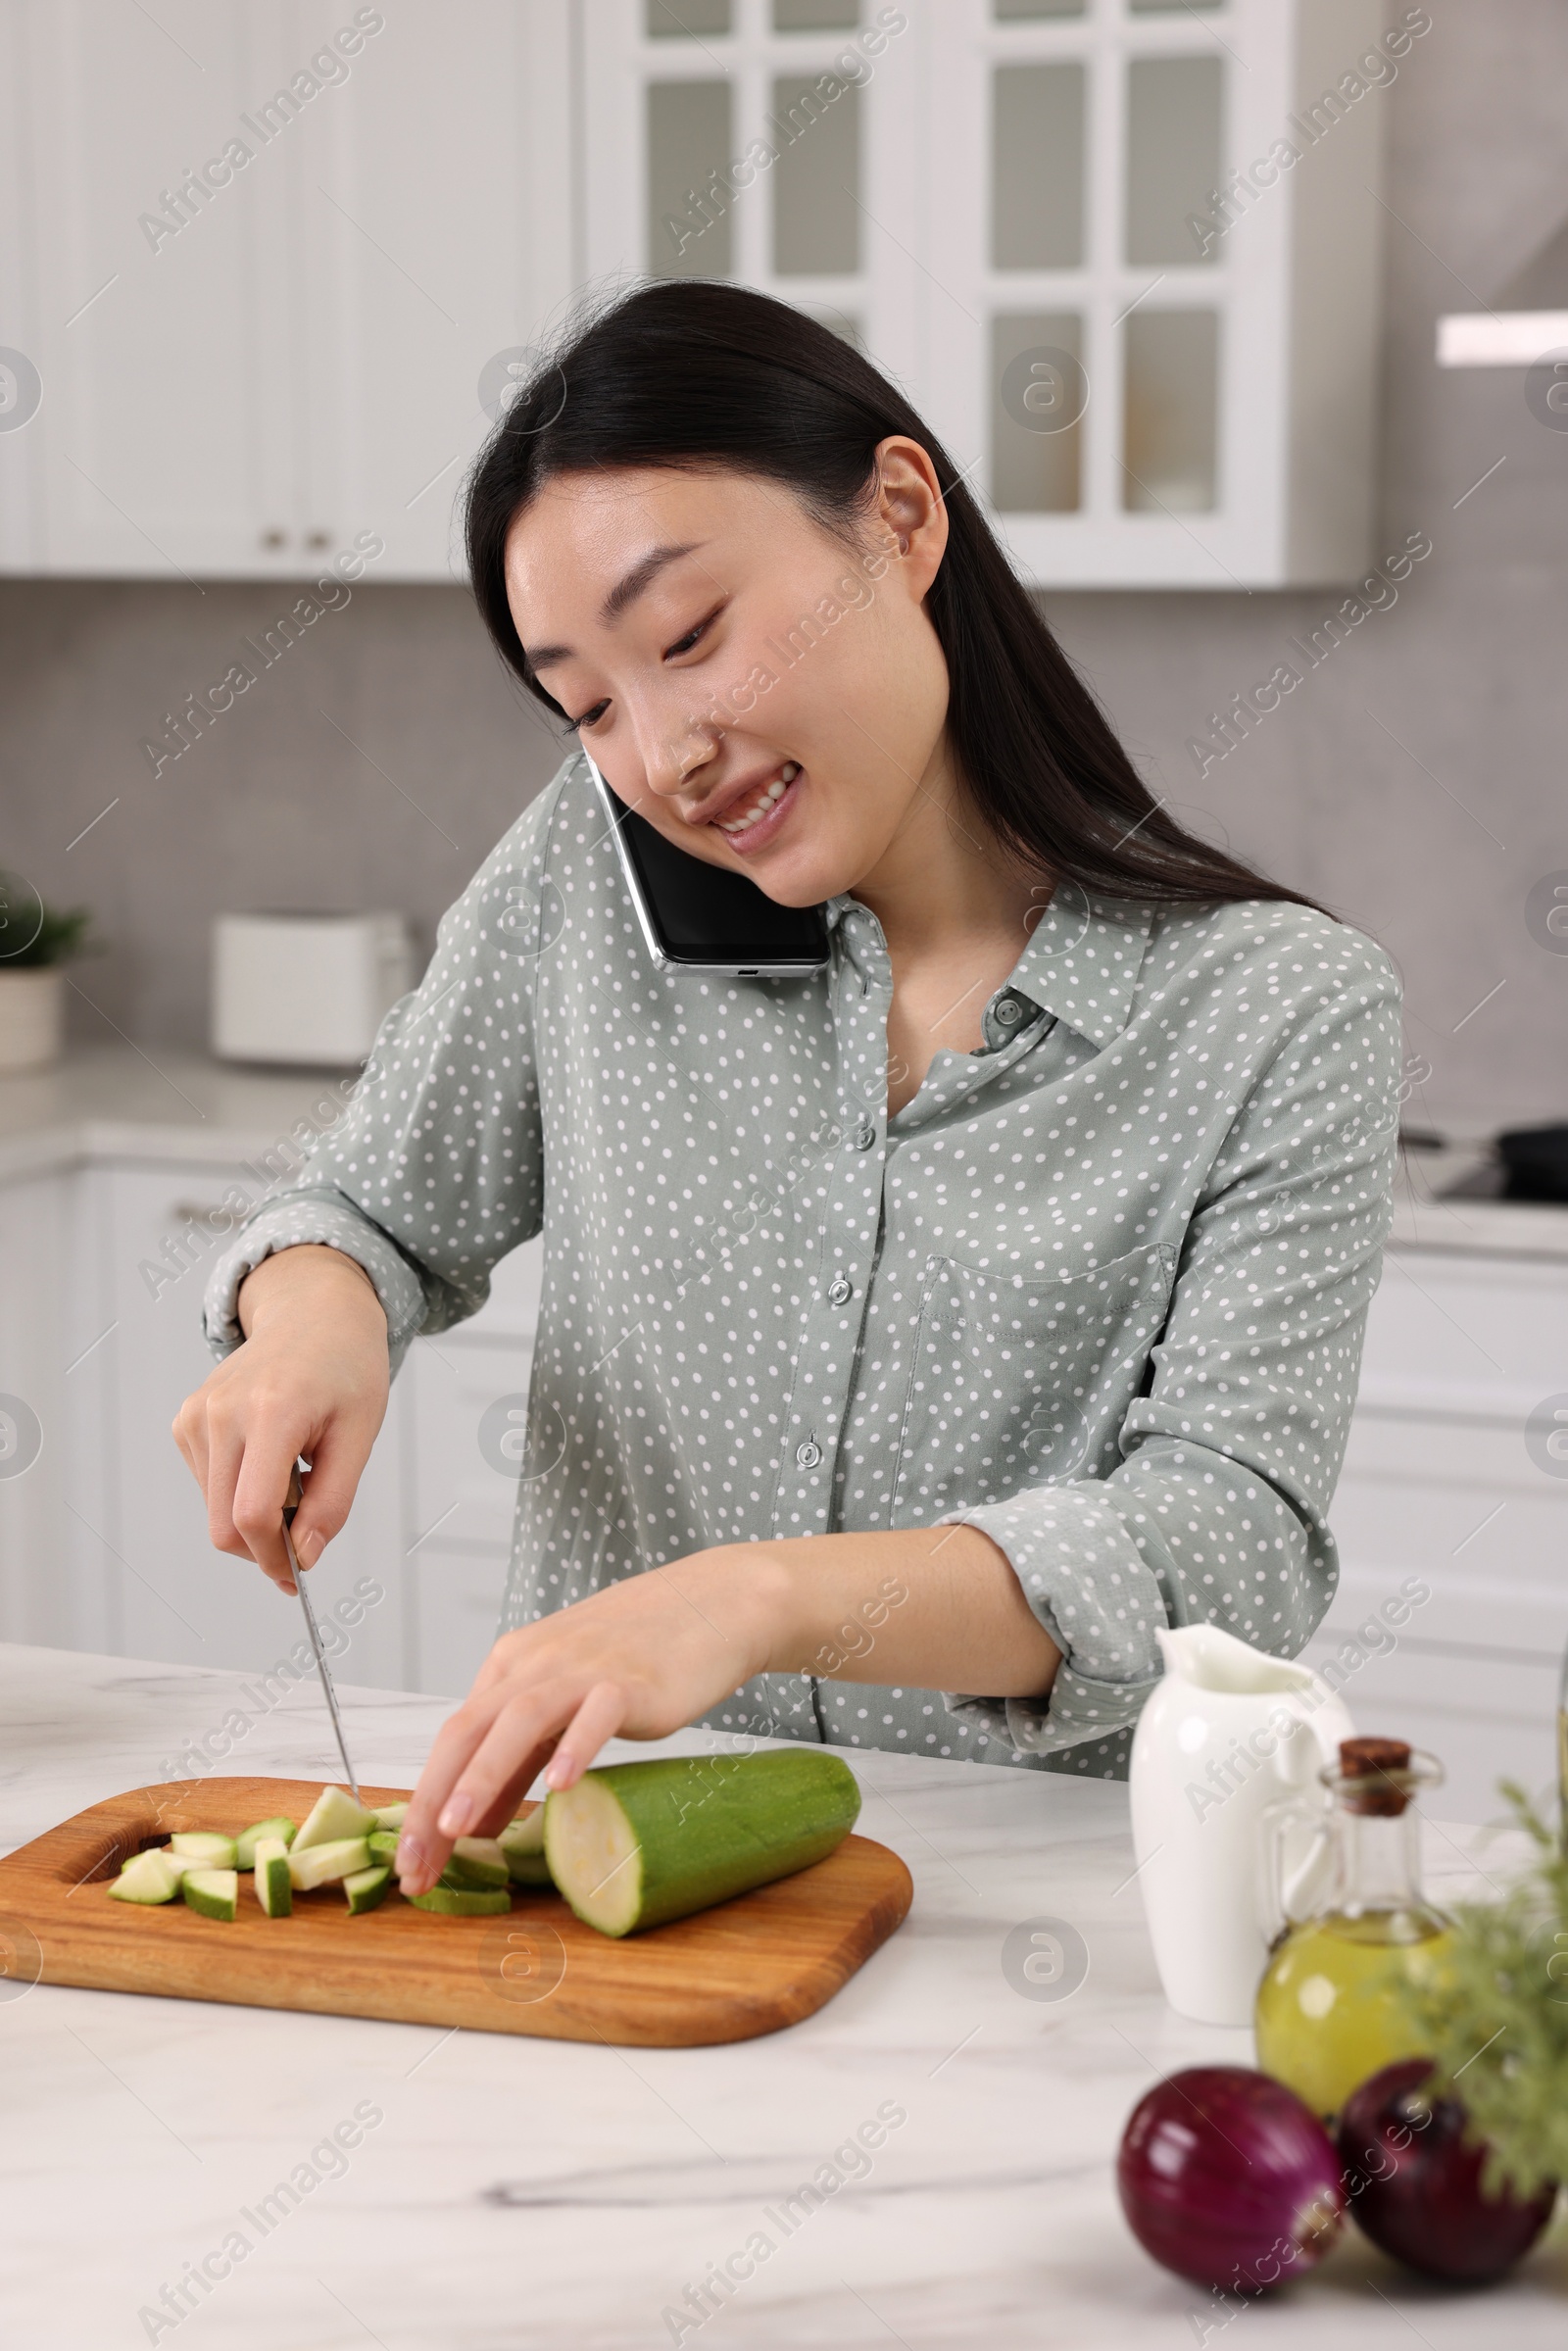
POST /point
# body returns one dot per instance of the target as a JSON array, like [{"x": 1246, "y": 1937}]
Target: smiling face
[{"x": 770, "y": 698}]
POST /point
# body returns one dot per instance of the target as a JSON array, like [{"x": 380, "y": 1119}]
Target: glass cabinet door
[
  {"x": 773, "y": 141},
  {"x": 1027, "y": 211}
]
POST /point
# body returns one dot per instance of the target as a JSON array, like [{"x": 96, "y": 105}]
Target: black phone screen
[{"x": 706, "y": 914}]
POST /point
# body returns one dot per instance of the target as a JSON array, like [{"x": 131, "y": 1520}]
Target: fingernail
[
  {"x": 310, "y": 1548},
  {"x": 561, "y": 1773},
  {"x": 457, "y": 1816}
]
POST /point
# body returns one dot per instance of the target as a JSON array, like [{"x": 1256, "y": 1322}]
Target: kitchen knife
[{"x": 292, "y": 1502}]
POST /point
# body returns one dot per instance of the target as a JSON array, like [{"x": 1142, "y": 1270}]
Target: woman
[{"x": 940, "y": 1324}]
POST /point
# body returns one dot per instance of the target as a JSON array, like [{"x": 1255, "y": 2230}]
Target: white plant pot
[{"x": 33, "y": 1017}]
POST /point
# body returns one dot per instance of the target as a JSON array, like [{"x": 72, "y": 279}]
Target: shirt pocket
[{"x": 1016, "y": 1383}]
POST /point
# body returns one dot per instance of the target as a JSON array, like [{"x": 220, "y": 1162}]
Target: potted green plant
[{"x": 35, "y": 942}]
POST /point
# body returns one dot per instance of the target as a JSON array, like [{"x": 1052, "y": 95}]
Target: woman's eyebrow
[
  {"x": 625, "y": 591},
  {"x": 642, "y": 575}
]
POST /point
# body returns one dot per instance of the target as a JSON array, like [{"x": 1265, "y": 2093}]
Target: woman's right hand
[{"x": 311, "y": 1378}]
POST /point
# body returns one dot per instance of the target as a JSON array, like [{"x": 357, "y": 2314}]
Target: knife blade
[{"x": 292, "y": 1502}]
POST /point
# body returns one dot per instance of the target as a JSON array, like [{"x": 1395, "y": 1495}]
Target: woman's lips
[{"x": 759, "y": 817}]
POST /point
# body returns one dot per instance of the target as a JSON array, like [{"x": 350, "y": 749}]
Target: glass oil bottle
[{"x": 1328, "y": 2011}]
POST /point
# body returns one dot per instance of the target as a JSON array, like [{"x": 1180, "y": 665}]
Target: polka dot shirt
[{"x": 1099, "y": 1289}]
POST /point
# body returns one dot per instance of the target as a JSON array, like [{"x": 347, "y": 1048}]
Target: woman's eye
[
  {"x": 693, "y": 636},
  {"x": 593, "y": 716}
]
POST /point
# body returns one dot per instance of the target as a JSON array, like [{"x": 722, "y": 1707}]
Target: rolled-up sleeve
[
  {"x": 436, "y": 1168},
  {"x": 1218, "y": 1508}
]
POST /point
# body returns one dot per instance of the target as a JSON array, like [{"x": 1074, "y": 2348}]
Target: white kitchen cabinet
[
  {"x": 167, "y": 375},
  {"x": 463, "y": 1402},
  {"x": 172, "y": 1596},
  {"x": 1150, "y": 347},
  {"x": 242, "y": 373},
  {"x": 1012, "y": 205},
  {"x": 36, "y": 1466},
  {"x": 103, "y": 1534},
  {"x": 1440, "y": 1485}
]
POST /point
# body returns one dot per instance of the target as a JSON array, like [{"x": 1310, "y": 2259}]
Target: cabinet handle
[
  {"x": 208, "y": 1213},
  {"x": 274, "y": 538},
  {"x": 319, "y": 538}
]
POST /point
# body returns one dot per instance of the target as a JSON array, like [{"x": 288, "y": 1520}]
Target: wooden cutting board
[{"x": 750, "y": 1966}]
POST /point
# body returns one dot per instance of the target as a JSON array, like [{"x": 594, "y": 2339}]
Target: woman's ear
[{"x": 910, "y": 520}]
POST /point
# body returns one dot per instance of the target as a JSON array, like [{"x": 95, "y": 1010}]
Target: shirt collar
[{"x": 1082, "y": 962}]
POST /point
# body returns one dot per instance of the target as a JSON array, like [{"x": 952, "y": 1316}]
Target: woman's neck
[{"x": 956, "y": 915}]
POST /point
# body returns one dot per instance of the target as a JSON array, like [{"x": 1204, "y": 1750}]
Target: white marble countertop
[
  {"x": 153, "y": 1106},
  {"x": 158, "y": 1106},
  {"x": 530, "y": 2195}
]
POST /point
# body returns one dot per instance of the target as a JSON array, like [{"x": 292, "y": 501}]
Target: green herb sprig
[{"x": 1496, "y": 2017}]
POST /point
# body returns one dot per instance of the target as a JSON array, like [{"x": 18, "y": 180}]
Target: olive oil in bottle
[{"x": 1327, "y": 2008}]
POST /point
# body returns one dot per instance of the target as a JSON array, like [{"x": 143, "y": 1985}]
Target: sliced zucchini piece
[
  {"x": 177, "y": 1862},
  {"x": 214, "y": 1893},
  {"x": 477, "y": 1862},
  {"x": 149, "y": 1876},
  {"x": 383, "y": 1844},
  {"x": 275, "y": 1888},
  {"x": 392, "y": 1816},
  {"x": 324, "y": 1865},
  {"x": 200, "y": 1850},
  {"x": 366, "y": 1888},
  {"x": 463, "y": 1902},
  {"x": 279, "y": 1831},
  {"x": 333, "y": 1816},
  {"x": 637, "y": 1844},
  {"x": 522, "y": 1842}
]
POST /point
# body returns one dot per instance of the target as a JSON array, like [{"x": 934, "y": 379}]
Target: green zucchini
[
  {"x": 383, "y": 1844},
  {"x": 523, "y": 1841},
  {"x": 213, "y": 1894},
  {"x": 275, "y": 1888},
  {"x": 366, "y": 1888},
  {"x": 150, "y": 1877},
  {"x": 475, "y": 1863},
  {"x": 324, "y": 1865},
  {"x": 333, "y": 1816},
  {"x": 200, "y": 1850},
  {"x": 637, "y": 1844},
  {"x": 391, "y": 1816},
  {"x": 245, "y": 1844},
  {"x": 463, "y": 1902}
]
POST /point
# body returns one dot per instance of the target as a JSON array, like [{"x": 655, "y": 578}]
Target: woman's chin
[{"x": 792, "y": 876}]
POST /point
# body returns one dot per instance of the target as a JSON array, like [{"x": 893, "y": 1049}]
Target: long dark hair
[{"x": 692, "y": 373}]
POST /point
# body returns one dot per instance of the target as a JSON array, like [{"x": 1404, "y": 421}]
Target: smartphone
[{"x": 701, "y": 917}]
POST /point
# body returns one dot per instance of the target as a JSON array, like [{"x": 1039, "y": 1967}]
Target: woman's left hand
[{"x": 641, "y": 1658}]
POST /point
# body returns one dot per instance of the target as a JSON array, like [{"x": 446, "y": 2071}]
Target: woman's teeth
[{"x": 767, "y": 798}]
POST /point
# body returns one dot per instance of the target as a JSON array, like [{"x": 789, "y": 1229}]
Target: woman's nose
[{"x": 673, "y": 753}]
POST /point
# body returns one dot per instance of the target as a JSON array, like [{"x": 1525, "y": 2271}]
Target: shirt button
[
  {"x": 864, "y": 1134},
  {"x": 809, "y": 1454},
  {"x": 1009, "y": 1011},
  {"x": 839, "y": 1290}
]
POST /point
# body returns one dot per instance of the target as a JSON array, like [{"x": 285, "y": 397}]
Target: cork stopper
[{"x": 1375, "y": 1776}]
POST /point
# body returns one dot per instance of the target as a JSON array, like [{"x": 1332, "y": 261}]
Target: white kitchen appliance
[{"x": 306, "y": 990}]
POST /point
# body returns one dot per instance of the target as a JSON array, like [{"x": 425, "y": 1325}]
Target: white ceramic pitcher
[{"x": 1227, "y": 1735}]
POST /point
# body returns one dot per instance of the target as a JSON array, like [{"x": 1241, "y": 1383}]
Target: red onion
[
  {"x": 1229, "y": 2180},
  {"x": 1415, "y": 2182}
]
